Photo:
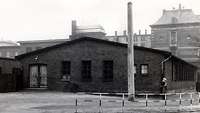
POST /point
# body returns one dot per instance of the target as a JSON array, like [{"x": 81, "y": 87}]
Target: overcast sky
[{"x": 49, "y": 19}]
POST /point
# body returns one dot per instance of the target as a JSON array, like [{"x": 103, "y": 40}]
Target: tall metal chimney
[{"x": 131, "y": 80}]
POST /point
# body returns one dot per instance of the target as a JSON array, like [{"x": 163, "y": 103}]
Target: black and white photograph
[{"x": 99, "y": 56}]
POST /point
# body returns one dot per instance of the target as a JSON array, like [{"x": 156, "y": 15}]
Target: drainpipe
[{"x": 162, "y": 63}]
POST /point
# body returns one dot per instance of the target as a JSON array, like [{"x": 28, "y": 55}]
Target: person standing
[{"x": 164, "y": 85}]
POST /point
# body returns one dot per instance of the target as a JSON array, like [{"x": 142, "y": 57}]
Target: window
[
  {"x": 198, "y": 52},
  {"x": 86, "y": 70},
  {"x": 16, "y": 53},
  {"x": 28, "y": 49},
  {"x": 66, "y": 68},
  {"x": 108, "y": 70},
  {"x": 174, "y": 20},
  {"x": 144, "y": 69},
  {"x": 135, "y": 69},
  {"x": 38, "y": 48},
  {"x": 135, "y": 38},
  {"x": 7, "y": 54},
  {"x": 188, "y": 37},
  {"x": 173, "y": 38}
]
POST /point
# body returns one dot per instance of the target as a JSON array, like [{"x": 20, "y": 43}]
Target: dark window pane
[
  {"x": 107, "y": 70},
  {"x": 38, "y": 48},
  {"x": 28, "y": 49},
  {"x": 86, "y": 70},
  {"x": 66, "y": 67}
]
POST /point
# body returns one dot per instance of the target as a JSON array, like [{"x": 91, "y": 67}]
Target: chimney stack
[
  {"x": 180, "y": 7},
  {"x": 73, "y": 27},
  {"x": 145, "y": 32},
  {"x": 139, "y": 32},
  {"x": 115, "y": 33},
  {"x": 164, "y": 11},
  {"x": 124, "y": 32}
]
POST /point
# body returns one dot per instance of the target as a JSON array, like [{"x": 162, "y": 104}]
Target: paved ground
[{"x": 59, "y": 102}]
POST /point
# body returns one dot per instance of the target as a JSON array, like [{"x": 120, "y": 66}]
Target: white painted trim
[
  {"x": 167, "y": 48},
  {"x": 176, "y": 28},
  {"x": 188, "y": 47},
  {"x": 191, "y": 59}
]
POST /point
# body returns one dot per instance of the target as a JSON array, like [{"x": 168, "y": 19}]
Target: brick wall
[
  {"x": 8, "y": 79},
  {"x": 97, "y": 52},
  {"x": 76, "y": 53}
]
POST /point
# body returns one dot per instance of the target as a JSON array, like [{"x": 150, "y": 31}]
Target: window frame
[
  {"x": 8, "y": 54},
  {"x": 198, "y": 52},
  {"x": 176, "y": 38},
  {"x": 141, "y": 69},
  {"x": 65, "y": 68},
  {"x": 16, "y": 53},
  {"x": 135, "y": 69},
  {"x": 29, "y": 49},
  {"x": 86, "y": 70},
  {"x": 108, "y": 70}
]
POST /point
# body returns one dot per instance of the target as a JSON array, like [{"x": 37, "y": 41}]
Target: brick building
[
  {"x": 10, "y": 75},
  {"x": 93, "y": 64},
  {"x": 178, "y": 31},
  {"x": 9, "y": 49},
  {"x": 32, "y": 45},
  {"x": 97, "y": 31}
]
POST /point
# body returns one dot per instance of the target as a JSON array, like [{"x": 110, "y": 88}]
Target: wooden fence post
[
  {"x": 123, "y": 103},
  {"x": 76, "y": 105},
  {"x": 146, "y": 100}
]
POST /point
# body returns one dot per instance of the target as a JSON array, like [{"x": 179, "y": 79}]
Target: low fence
[{"x": 179, "y": 101}]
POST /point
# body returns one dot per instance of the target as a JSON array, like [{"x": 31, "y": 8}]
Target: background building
[
  {"x": 143, "y": 40},
  {"x": 97, "y": 31},
  {"x": 9, "y": 49},
  {"x": 32, "y": 45},
  {"x": 178, "y": 31}
]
